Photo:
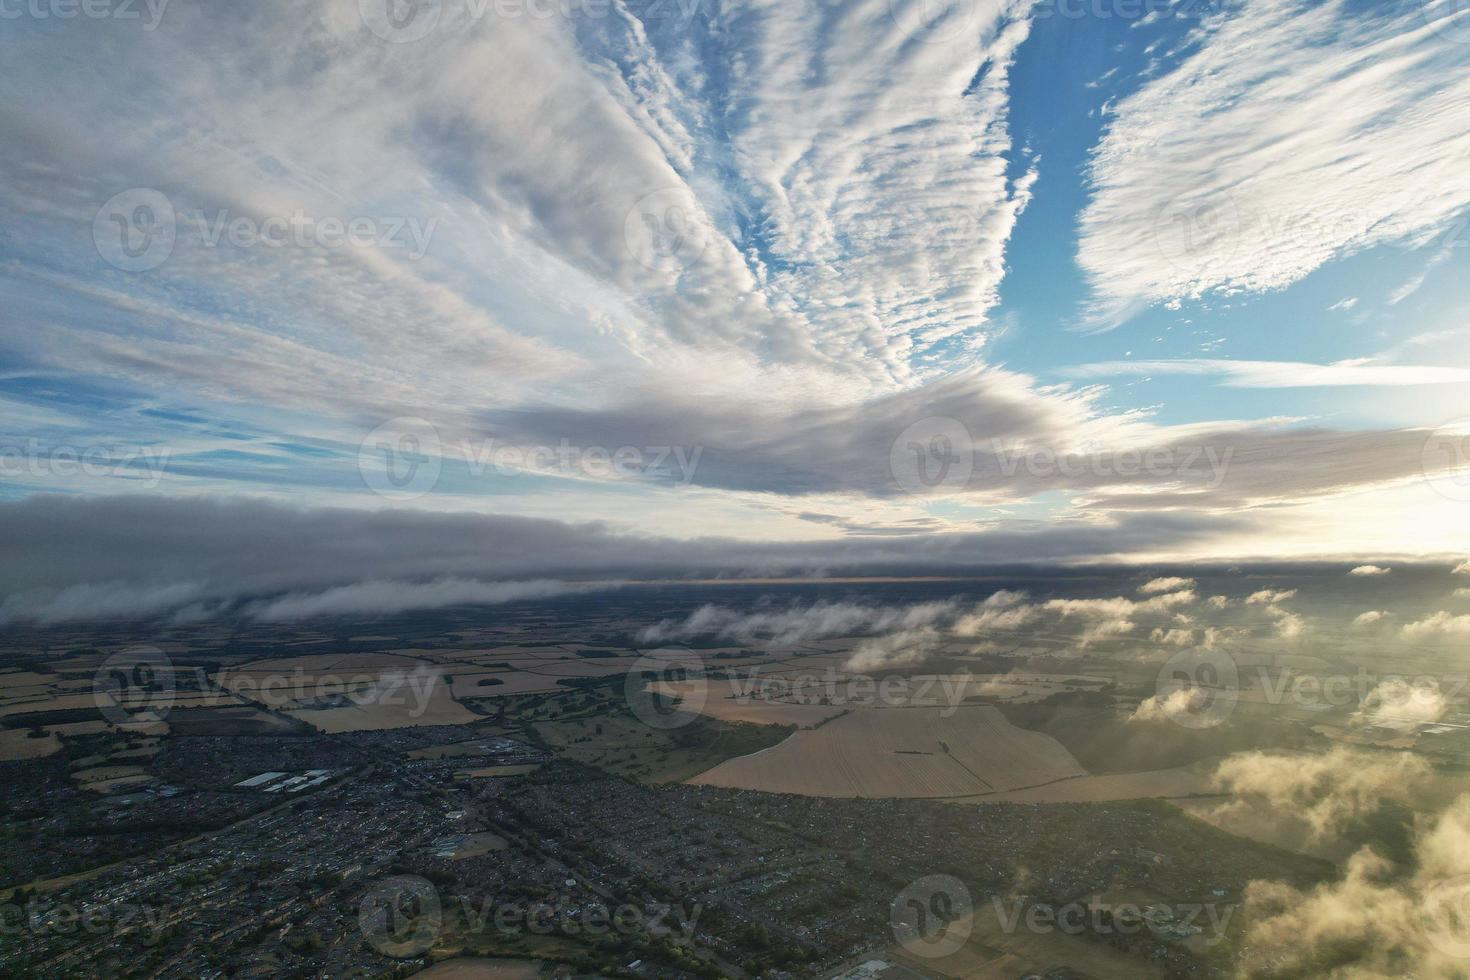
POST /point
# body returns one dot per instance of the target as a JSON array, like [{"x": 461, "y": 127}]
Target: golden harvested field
[
  {"x": 1103, "y": 789},
  {"x": 902, "y": 752},
  {"x": 718, "y": 704},
  {"x": 467, "y": 685},
  {"x": 17, "y": 744},
  {"x": 396, "y": 700}
]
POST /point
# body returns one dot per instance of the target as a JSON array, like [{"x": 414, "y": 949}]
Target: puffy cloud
[
  {"x": 1439, "y": 624},
  {"x": 1165, "y": 584},
  {"x": 1376, "y": 922},
  {"x": 895, "y": 649},
  {"x": 1399, "y": 700},
  {"x": 1369, "y": 617},
  {"x": 1182, "y": 702},
  {"x": 1269, "y": 596},
  {"x": 1323, "y": 791},
  {"x": 1369, "y": 570},
  {"x": 797, "y": 624},
  {"x": 1004, "y": 610},
  {"x": 1462, "y": 569},
  {"x": 1172, "y": 637}
]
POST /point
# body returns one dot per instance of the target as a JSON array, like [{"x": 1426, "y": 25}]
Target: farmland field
[{"x": 903, "y": 752}]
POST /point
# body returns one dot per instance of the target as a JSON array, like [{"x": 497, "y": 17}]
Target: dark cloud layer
[{"x": 116, "y": 556}]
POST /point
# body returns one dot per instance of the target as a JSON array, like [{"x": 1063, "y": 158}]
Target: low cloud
[
  {"x": 1440, "y": 624},
  {"x": 1184, "y": 702},
  {"x": 1398, "y": 700},
  {"x": 1166, "y": 584},
  {"x": 387, "y": 598},
  {"x": 785, "y": 627},
  {"x": 1321, "y": 793},
  {"x": 1368, "y": 618},
  {"x": 1377, "y": 921},
  {"x": 1269, "y": 596},
  {"x": 1369, "y": 570}
]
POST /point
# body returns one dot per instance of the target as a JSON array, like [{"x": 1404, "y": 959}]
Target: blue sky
[{"x": 459, "y": 260}]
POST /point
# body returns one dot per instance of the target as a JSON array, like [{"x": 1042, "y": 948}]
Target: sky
[{"x": 744, "y": 285}]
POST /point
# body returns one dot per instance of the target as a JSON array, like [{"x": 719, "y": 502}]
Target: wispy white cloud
[
  {"x": 1282, "y": 374},
  {"x": 1294, "y": 133}
]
